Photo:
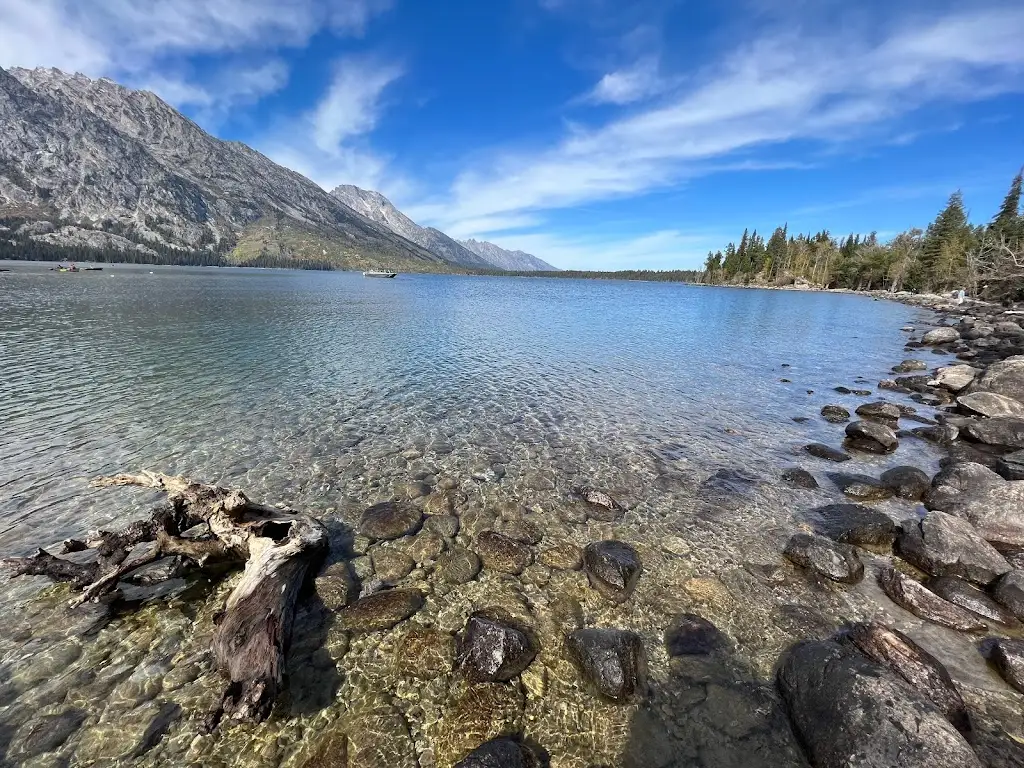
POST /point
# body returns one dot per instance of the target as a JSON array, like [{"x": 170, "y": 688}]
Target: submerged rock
[
  {"x": 492, "y": 651},
  {"x": 983, "y": 498},
  {"x": 920, "y": 669},
  {"x": 1008, "y": 657},
  {"x": 613, "y": 569},
  {"x": 944, "y": 545},
  {"x": 564, "y": 556},
  {"x": 966, "y": 595},
  {"x": 693, "y": 635},
  {"x": 799, "y": 478},
  {"x": 872, "y": 437},
  {"x": 46, "y": 733},
  {"x": 833, "y": 560},
  {"x": 909, "y": 366},
  {"x": 381, "y": 610},
  {"x": 1005, "y": 431},
  {"x": 856, "y": 524},
  {"x": 603, "y": 507},
  {"x": 906, "y": 482},
  {"x": 849, "y": 710},
  {"x": 613, "y": 661},
  {"x": 522, "y": 531},
  {"x": 835, "y": 414},
  {"x": 500, "y": 553},
  {"x": 1009, "y": 592},
  {"x": 860, "y": 487},
  {"x": 943, "y": 434},
  {"x": 425, "y": 653},
  {"x": 390, "y": 520},
  {"x": 990, "y": 405},
  {"x": 502, "y": 753},
  {"x": 925, "y": 604},
  {"x": 825, "y": 452},
  {"x": 390, "y": 565},
  {"x": 457, "y": 566}
]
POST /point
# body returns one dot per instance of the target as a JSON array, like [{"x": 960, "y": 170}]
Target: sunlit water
[{"x": 329, "y": 392}]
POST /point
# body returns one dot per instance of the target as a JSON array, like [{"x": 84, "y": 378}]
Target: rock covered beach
[{"x": 578, "y": 631}]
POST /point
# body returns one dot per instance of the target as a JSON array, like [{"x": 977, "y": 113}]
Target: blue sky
[{"x": 594, "y": 133}]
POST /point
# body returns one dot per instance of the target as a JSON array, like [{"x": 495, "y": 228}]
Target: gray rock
[
  {"x": 1008, "y": 657},
  {"x": 955, "y": 378},
  {"x": 825, "y": 452},
  {"x": 850, "y": 711},
  {"x": 493, "y": 651},
  {"x": 390, "y": 520},
  {"x": 1009, "y": 592},
  {"x": 46, "y": 733},
  {"x": 1005, "y": 431},
  {"x": 990, "y": 405},
  {"x": 500, "y": 553},
  {"x": 941, "y": 336},
  {"x": 925, "y": 604},
  {"x": 381, "y": 610},
  {"x": 613, "y": 662},
  {"x": 872, "y": 437},
  {"x": 502, "y": 753},
  {"x": 944, "y": 434},
  {"x": 602, "y": 507},
  {"x": 906, "y": 482},
  {"x": 1007, "y": 329},
  {"x": 909, "y": 366},
  {"x": 1004, "y": 378},
  {"x": 860, "y": 487},
  {"x": 855, "y": 524},
  {"x": 980, "y": 496},
  {"x": 799, "y": 478},
  {"x": 515, "y": 261},
  {"x": 835, "y": 414},
  {"x": 922, "y": 671},
  {"x": 887, "y": 413},
  {"x": 613, "y": 569},
  {"x": 457, "y": 566},
  {"x": 833, "y": 560},
  {"x": 692, "y": 635},
  {"x": 966, "y": 595},
  {"x": 1011, "y": 466},
  {"x": 946, "y": 545}
]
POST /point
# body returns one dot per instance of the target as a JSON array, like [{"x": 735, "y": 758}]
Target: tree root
[{"x": 278, "y": 548}]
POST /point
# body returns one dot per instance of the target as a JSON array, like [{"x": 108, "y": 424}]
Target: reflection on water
[{"x": 329, "y": 392}]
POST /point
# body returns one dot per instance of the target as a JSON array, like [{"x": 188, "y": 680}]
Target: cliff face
[
  {"x": 91, "y": 156},
  {"x": 513, "y": 261}
]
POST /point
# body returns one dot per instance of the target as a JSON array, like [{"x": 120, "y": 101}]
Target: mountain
[
  {"x": 375, "y": 207},
  {"x": 89, "y": 166},
  {"x": 511, "y": 261}
]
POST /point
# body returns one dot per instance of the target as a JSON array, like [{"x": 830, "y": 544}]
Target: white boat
[{"x": 379, "y": 273}]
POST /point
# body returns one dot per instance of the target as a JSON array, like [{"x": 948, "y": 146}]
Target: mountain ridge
[{"x": 510, "y": 261}]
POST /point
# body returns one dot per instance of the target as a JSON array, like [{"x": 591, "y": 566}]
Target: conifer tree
[{"x": 1009, "y": 222}]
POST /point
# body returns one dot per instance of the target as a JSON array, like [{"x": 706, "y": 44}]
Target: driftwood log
[{"x": 278, "y": 548}]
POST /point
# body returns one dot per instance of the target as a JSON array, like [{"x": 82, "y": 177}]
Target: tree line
[{"x": 987, "y": 260}]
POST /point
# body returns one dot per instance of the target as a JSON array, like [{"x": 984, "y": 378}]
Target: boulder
[
  {"x": 502, "y": 753},
  {"x": 799, "y": 478},
  {"x": 613, "y": 662},
  {"x": 990, "y": 405},
  {"x": 500, "y": 553},
  {"x": 831, "y": 559},
  {"x": 693, "y": 635},
  {"x": 602, "y": 506},
  {"x": 955, "y": 378},
  {"x": 825, "y": 452},
  {"x": 941, "y": 336},
  {"x": 1004, "y": 378},
  {"x": 860, "y": 487},
  {"x": 983, "y": 498},
  {"x": 1007, "y": 329},
  {"x": 946, "y": 545},
  {"x": 1007, "y": 656},
  {"x": 848, "y": 711},
  {"x": 887, "y": 413},
  {"x": 966, "y": 595},
  {"x": 835, "y": 414},
  {"x": 1011, "y": 466},
  {"x": 909, "y": 366},
  {"x": 906, "y": 482},
  {"x": 613, "y": 569},
  {"x": 390, "y": 520},
  {"x": 1009, "y": 592},
  {"x": 922, "y": 671},
  {"x": 943, "y": 434},
  {"x": 925, "y": 604},
  {"x": 493, "y": 651},
  {"x": 855, "y": 524},
  {"x": 381, "y": 610},
  {"x": 1005, "y": 431},
  {"x": 872, "y": 437}
]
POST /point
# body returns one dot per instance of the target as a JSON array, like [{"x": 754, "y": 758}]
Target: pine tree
[
  {"x": 946, "y": 243},
  {"x": 1009, "y": 222}
]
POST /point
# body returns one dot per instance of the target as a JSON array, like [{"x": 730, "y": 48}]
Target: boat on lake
[{"x": 379, "y": 273}]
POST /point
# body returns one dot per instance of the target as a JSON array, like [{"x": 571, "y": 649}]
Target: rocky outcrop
[
  {"x": 924, "y": 603},
  {"x": 945, "y": 545},
  {"x": 510, "y": 261},
  {"x": 983, "y": 498},
  {"x": 990, "y": 405},
  {"x": 1007, "y": 656},
  {"x": 1003, "y": 378},
  {"x": 1004, "y": 431}
]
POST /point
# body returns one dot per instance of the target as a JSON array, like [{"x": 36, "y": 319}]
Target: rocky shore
[{"x": 449, "y": 628}]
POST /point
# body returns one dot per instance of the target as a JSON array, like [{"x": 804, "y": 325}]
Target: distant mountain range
[
  {"x": 89, "y": 167},
  {"x": 511, "y": 261}
]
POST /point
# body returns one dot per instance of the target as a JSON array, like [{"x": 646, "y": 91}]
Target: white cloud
[
  {"x": 138, "y": 41},
  {"x": 625, "y": 86},
  {"x": 780, "y": 88},
  {"x": 326, "y": 143}
]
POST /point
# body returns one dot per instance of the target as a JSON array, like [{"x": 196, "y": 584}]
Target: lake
[{"x": 329, "y": 392}]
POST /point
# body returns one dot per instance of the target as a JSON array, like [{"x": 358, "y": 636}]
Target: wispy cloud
[
  {"x": 327, "y": 143},
  {"x": 782, "y": 87},
  {"x": 625, "y": 86}
]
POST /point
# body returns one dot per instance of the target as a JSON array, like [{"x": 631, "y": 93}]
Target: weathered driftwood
[{"x": 278, "y": 548}]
